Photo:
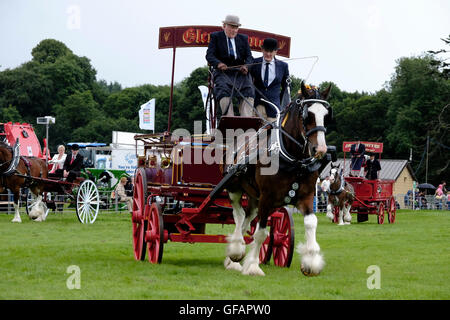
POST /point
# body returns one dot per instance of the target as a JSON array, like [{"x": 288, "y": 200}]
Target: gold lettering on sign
[
  {"x": 189, "y": 36},
  {"x": 195, "y": 36},
  {"x": 282, "y": 44},
  {"x": 166, "y": 36}
]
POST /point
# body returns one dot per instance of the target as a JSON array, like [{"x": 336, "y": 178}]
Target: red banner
[
  {"x": 198, "y": 36},
  {"x": 376, "y": 147}
]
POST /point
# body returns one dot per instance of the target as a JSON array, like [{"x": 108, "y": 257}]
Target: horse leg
[
  {"x": 347, "y": 215},
  {"x": 341, "y": 215},
  {"x": 253, "y": 212},
  {"x": 330, "y": 214},
  {"x": 251, "y": 262},
  {"x": 236, "y": 243},
  {"x": 16, "y": 207},
  {"x": 312, "y": 260}
]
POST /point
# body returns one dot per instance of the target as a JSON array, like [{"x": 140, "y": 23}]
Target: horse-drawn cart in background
[
  {"x": 371, "y": 196},
  {"x": 21, "y": 141}
]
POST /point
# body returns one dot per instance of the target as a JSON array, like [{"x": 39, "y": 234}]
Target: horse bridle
[
  {"x": 303, "y": 105},
  {"x": 15, "y": 158},
  {"x": 342, "y": 184}
]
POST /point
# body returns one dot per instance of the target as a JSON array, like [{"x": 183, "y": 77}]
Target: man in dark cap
[
  {"x": 372, "y": 167},
  {"x": 73, "y": 164},
  {"x": 229, "y": 53},
  {"x": 269, "y": 76}
]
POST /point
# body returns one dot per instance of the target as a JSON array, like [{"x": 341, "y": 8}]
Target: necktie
[
  {"x": 230, "y": 48},
  {"x": 266, "y": 75},
  {"x": 72, "y": 160}
]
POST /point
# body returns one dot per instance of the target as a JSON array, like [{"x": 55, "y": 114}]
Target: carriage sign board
[
  {"x": 376, "y": 147},
  {"x": 198, "y": 36}
]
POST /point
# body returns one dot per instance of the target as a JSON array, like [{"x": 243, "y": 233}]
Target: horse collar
[{"x": 14, "y": 161}]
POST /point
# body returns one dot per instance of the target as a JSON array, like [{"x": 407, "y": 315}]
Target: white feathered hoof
[
  {"x": 236, "y": 250},
  {"x": 17, "y": 219},
  {"x": 312, "y": 262},
  {"x": 230, "y": 265},
  {"x": 252, "y": 269}
]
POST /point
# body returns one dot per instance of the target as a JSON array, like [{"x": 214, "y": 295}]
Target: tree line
[{"x": 411, "y": 110}]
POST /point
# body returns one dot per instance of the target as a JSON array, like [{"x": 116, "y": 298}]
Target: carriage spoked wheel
[
  {"x": 282, "y": 233},
  {"x": 154, "y": 235},
  {"x": 392, "y": 210},
  {"x": 137, "y": 216},
  {"x": 266, "y": 248},
  {"x": 380, "y": 213},
  {"x": 87, "y": 202},
  {"x": 31, "y": 202}
]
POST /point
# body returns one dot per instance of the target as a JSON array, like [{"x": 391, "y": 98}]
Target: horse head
[
  {"x": 316, "y": 115},
  {"x": 5, "y": 156},
  {"x": 305, "y": 120},
  {"x": 334, "y": 175}
]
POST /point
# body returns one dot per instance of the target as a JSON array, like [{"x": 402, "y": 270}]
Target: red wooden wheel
[
  {"x": 137, "y": 217},
  {"x": 335, "y": 214},
  {"x": 282, "y": 234},
  {"x": 266, "y": 248},
  {"x": 154, "y": 236},
  {"x": 381, "y": 213},
  {"x": 392, "y": 210}
]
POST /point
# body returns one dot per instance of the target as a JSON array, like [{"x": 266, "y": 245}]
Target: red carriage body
[{"x": 29, "y": 143}]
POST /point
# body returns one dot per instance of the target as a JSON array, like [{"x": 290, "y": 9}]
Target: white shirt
[
  {"x": 234, "y": 47},
  {"x": 58, "y": 163},
  {"x": 272, "y": 71}
]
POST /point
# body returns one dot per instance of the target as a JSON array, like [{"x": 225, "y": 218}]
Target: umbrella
[{"x": 426, "y": 186}]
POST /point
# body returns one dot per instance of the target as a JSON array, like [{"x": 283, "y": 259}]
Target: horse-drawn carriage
[
  {"x": 367, "y": 196},
  {"x": 23, "y": 166},
  {"x": 185, "y": 182}
]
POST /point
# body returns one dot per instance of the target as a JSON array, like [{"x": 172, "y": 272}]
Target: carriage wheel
[
  {"x": 31, "y": 202},
  {"x": 154, "y": 236},
  {"x": 392, "y": 210},
  {"x": 282, "y": 233},
  {"x": 381, "y": 213},
  {"x": 87, "y": 202},
  {"x": 335, "y": 214},
  {"x": 266, "y": 248},
  {"x": 137, "y": 217}
]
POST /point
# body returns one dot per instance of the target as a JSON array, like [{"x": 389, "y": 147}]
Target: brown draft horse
[
  {"x": 340, "y": 197},
  {"x": 31, "y": 166},
  {"x": 300, "y": 146}
]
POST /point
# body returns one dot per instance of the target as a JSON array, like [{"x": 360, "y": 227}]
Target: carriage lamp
[{"x": 47, "y": 120}]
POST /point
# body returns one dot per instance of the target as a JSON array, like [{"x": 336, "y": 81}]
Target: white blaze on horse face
[
  {"x": 320, "y": 112},
  {"x": 333, "y": 174}
]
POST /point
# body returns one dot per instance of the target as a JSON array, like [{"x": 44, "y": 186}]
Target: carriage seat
[{"x": 236, "y": 122}]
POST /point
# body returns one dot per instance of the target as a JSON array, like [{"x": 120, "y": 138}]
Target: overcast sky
[{"x": 357, "y": 41}]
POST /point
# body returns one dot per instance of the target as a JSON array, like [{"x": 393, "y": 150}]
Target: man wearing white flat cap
[{"x": 229, "y": 53}]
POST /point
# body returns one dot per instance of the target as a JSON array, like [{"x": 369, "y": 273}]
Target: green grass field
[{"x": 413, "y": 256}]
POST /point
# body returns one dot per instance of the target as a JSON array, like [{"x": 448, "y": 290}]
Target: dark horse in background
[
  {"x": 13, "y": 169},
  {"x": 302, "y": 146}
]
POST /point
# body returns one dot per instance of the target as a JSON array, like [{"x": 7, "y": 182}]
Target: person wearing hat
[
  {"x": 72, "y": 165},
  {"x": 372, "y": 167},
  {"x": 228, "y": 53},
  {"x": 269, "y": 77}
]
